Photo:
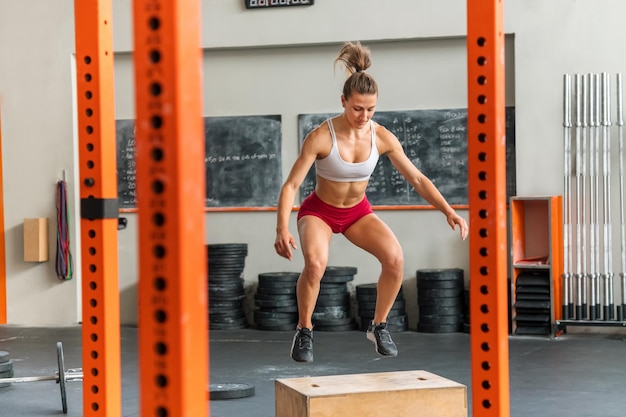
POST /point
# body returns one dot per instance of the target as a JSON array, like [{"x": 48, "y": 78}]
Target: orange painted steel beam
[
  {"x": 3, "y": 269},
  {"x": 487, "y": 202},
  {"x": 173, "y": 309},
  {"x": 99, "y": 213}
]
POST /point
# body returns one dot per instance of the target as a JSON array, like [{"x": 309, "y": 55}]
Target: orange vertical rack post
[
  {"x": 487, "y": 204},
  {"x": 171, "y": 193},
  {"x": 3, "y": 269},
  {"x": 99, "y": 210}
]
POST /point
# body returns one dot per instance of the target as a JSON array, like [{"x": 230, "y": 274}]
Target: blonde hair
[{"x": 356, "y": 59}]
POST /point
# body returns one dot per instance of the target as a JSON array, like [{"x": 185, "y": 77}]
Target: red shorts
[{"x": 339, "y": 219}]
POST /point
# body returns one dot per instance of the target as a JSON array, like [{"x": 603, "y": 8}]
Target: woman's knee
[
  {"x": 314, "y": 269},
  {"x": 393, "y": 261}
]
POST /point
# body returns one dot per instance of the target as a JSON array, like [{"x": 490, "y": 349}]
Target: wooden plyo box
[
  {"x": 36, "y": 239},
  {"x": 385, "y": 394}
]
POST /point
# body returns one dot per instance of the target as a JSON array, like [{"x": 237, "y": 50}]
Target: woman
[{"x": 345, "y": 150}]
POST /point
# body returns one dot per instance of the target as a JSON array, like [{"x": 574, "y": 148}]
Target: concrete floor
[{"x": 576, "y": 375}]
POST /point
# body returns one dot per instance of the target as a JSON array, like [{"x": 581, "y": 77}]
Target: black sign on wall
[{"x": 261, "y": 4}]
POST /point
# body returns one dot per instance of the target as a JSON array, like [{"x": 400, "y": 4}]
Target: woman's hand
[
  {"x": 284, "y": 243},
  {"x": 454, "y": 220}
]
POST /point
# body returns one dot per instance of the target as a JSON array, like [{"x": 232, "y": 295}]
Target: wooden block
[
  {"x": 386, "y": 394},
  {"x": 36, "y": 240}
]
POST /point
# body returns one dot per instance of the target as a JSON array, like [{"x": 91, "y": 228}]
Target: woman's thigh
[
  {"x": 315, "y": 236},
  {"x": 373, "y": 235}
]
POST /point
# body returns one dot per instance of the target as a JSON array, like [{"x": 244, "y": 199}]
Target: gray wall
[{"x": 418, "y": 59}]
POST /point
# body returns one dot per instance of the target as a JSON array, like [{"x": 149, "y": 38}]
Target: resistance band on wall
[{"x": 64, "y": 267}]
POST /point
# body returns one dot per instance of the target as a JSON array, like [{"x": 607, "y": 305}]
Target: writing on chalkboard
[
  {"x": 434, "y": 140},
  {"x": 243, "y": 161}
]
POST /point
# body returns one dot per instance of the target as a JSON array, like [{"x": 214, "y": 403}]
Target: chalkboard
[
  {"x": 243, "y": 161},
  {"x": 435, "y": 141}
]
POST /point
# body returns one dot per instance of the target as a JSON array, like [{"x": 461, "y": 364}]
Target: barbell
[{"x": 61, "y": 377}]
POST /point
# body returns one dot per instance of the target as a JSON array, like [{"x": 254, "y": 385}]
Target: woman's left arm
[{"x": 389, "y": 144}]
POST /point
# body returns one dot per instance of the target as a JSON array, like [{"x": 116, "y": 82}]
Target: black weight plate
[
  {"x": 214, "y": 247},
  {"x": 278, "y": 285},
  {"x": 331, "y": 311},
  {"x": 225, "y": 305},
  {"x": 6, "y": 366},
  {"x": 225, "y": 326},
  {"x": 532, "y": 304},
  {"x": 223, "y": 276},
  {"x": 401, "y": 319},
  {"x": 339, "y": 270},
  {"x": 532, "y": 280},
  {"x": 446, "y": 274},
  {"x": 336, "y": 279},
  {"x": 223, "y": 313},
  {"x": 439, "y": 328},
  {"x": 228, "y": 317},
  {"x": 334, "y": 298},
  {"x": 4, "y": 356},
  {"x": 283, "y": 309},
  {"x": 325, "y": 316},
  {"x": 333, "y": 289},
  {"x": 370, "y": 298},
  {"x": 228, "y": 289},
  {"x": 275, "y": 303},
  {"x": 235, "y": 321},
  {"x": 230, "y": 391},
  {"x": 528, "y": 289},
  {"x": 440, "y": 285},
  {"x": 397, "y": 328},
  {"x": 540, "y": 318},
  {"x": 440, "y": 293},
  {"x": 61, "y": 377},
  {"x": 440, "y": 302},
  {"x": 371, "y": 288},
  {"x": 278, "y": 276},
  {"x": 371, "y": 305},
  {"x": 7, "y": 374},
  {"x": 223, "y": 297},
  {"x": 440, "y": 310},
  {"x": 276, "y": 297},
  {"x": 226, "y": 295},
  {"x": 454, "y": 319},
  {"x": 333, "y": 302},
  {"x": 274, "y": 315},
  {"x": 532, "y": 331},
  {"x": 531, "y": 297},
  {"x": 276, "y": 291}
]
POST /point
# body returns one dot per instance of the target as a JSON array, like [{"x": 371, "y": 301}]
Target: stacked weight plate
[
  {"x": 276, "y": 298},
  {"x": 366, "y": 298},
  {"x": 332, "y": 310},
  {"x": 441, "y": 300},
  {"x": 532, "y": 303},
  {"x": 226, "y": 286},
  {"x": 6, "y": 367}
]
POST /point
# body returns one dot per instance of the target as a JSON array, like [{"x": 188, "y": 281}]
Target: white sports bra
[{"x": 333, "y": 168}]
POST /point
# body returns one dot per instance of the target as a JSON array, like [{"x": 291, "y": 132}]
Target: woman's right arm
[{"x": 284, "y": 239}]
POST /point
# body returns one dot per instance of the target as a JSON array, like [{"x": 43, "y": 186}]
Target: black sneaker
[
  {"x": 382, "y": 339},
  {"x": 302, "y": 346}
]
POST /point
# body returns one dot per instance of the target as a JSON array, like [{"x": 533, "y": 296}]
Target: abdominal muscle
[{"x": 340, "y": 194}]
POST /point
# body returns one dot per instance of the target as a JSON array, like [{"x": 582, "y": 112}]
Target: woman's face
[{"x": 359, "y": 109}]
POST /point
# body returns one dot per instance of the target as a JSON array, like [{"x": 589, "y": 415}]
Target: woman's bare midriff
[{"x": 340, "y": 194}]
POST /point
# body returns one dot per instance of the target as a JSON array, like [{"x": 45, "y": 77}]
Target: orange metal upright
[
  {"x": 99, "y": 212},
  {"x": 170, "y": 151},
  {"x": 487, "y": 203},
  {"x": 3, "y": 269}
]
